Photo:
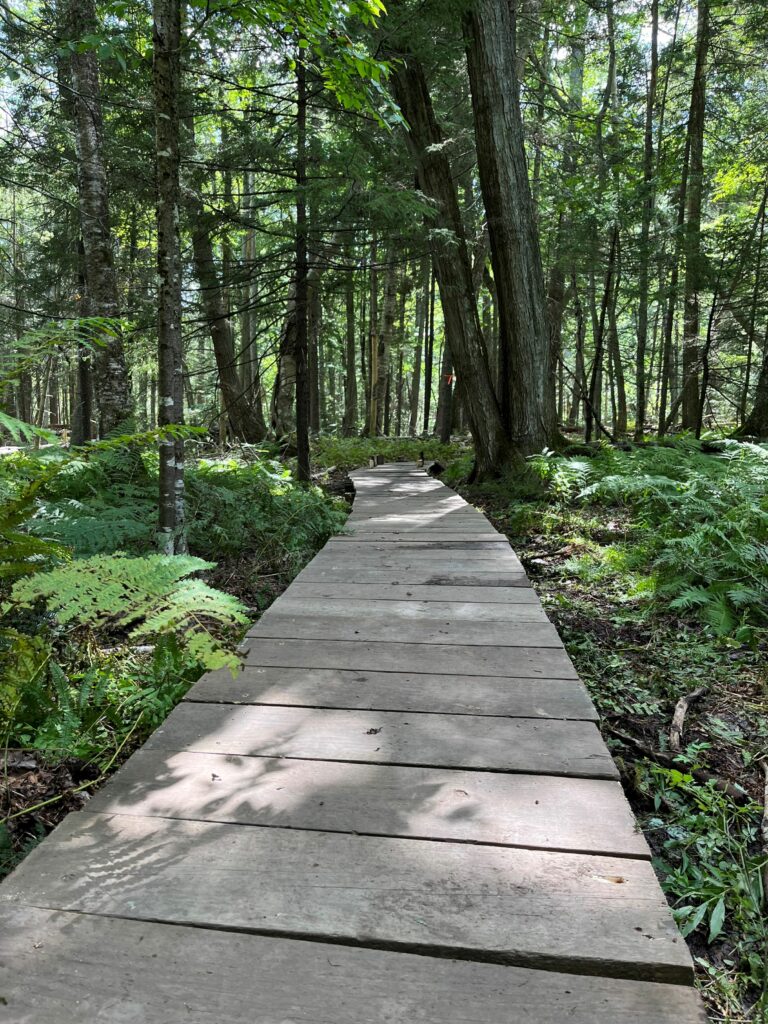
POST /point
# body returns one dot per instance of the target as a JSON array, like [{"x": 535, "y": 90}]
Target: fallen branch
[
  {"x": 678, "y": 719},
  {"x": 668, "y": 761}
]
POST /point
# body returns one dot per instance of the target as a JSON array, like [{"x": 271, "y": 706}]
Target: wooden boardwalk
[{"x": 401, "y": 812}]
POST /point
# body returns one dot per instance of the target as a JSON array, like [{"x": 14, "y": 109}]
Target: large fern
[
  {"x": 704, "y": 522},
  {"x": 139, "y": 598}
]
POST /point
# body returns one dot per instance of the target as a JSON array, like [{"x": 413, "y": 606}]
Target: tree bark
[
  {"x": 113, "y": 393},
  {"x": 302, "y": 277},
  {"x": 694, "y": 262},
  {"x": 349, "y": 422},
  {"x": 649, "y": 163},
  {"x": 166, "y": 74},
  {"x": 238, "y": 410},
  {"x": 527, "y": 381},
  {"x": 756, "y": 424},
  {"x": 384, "y": 344},
  {"x": 452, "y": 268},
  {"x": 444, "y": 417},
  {"x": 422, "y": 299}
]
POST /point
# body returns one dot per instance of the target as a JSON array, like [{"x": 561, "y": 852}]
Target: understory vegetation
[
  {"x": 653, "y": 563},
  {"x": 100, "y": 636}
]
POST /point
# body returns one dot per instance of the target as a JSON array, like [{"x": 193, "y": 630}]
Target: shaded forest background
[{"x": 645, "y": 141}]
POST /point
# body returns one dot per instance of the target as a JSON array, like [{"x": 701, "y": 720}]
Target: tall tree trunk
[
  {"x": 594, "y": 397},
  {"x": 249, "y": 355},
  {"x": 82, "y": 406},
  {"x": 384, "y": 345},
  {"x": 444, "y": 418},
  {"x": 422, "y": 300},
  {"x": 239, "y": 412},
  {"x": 556, "y": 290},
  {"x": 373, "y": 350},
  {"x": 649, "y": 163},
  {"x": 756, "y": 292},
  {"x": 166, "y": 36},
  {"x": 429, "y": 348},
  {"x": 527, "y": 381},
  {"x": 756, "y": 424},
  {"x": 313, "y": 359},
  {"x": 453, "y": 269},
  {"x": 349, "y": 423},
  {"x": 694, "y": 261},
  {"x": 302, "y": 275},
  {"x": 113, "y": 391}
]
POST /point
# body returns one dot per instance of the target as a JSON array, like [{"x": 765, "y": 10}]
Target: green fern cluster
[
  {"x": 139, "y": 599},
  {"x": 703, "y": 518},
  {"x": 257, "y": 508}
]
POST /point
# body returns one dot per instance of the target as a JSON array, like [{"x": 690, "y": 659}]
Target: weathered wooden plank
[
  {"x": 485, "y": 547},
  {"x": 533, "y": 811},
  {"x": 453, "y": 611},
  {"x": 527, "y": 745},
  {"x": 596, "y": 915},
  {"x": 436, "y": 559},
  {"x": 398, "y": 691},
  {"x": 424, "y": 576},
  {"x": 304, "y": 626},
  {"x": 384, "y": 523},
  {"x": 419, "y": 537},
  {"x": 404, "y": 592},
  {"x": 402, "y": 524},
  {"x": 70, "y": 968},
  {"x": 516, "y": 662}
]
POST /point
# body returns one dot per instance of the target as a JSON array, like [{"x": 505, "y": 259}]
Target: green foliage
[
  {"x": 139, "y": 598},
  {"x": 354, "y": 452},
  {"x": 89, "y": 709},
  {"x": 711, "y": 866},
  {"x": 704, "y": 517},
  {"x": 235, "y": 507}
]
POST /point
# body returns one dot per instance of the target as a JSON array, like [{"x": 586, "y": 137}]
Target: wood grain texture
[
  {"x": 416, "y": 576},
  {"x": 533, "y": 811},
  {"x": 418, "y": 537},
  {"x": 397, "y": 691},
  {"x": 530, "y": 745},
  {"x": 97, "y": 970},
  {"x": 372, "y": 627},
  {"x": 445, "y": 659},
  {"x": 397, "y": 558},
  {"x": 595, "y": 915},
  {"x": 457, "y": 612},
  {"x": 403, "y": 592}
]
